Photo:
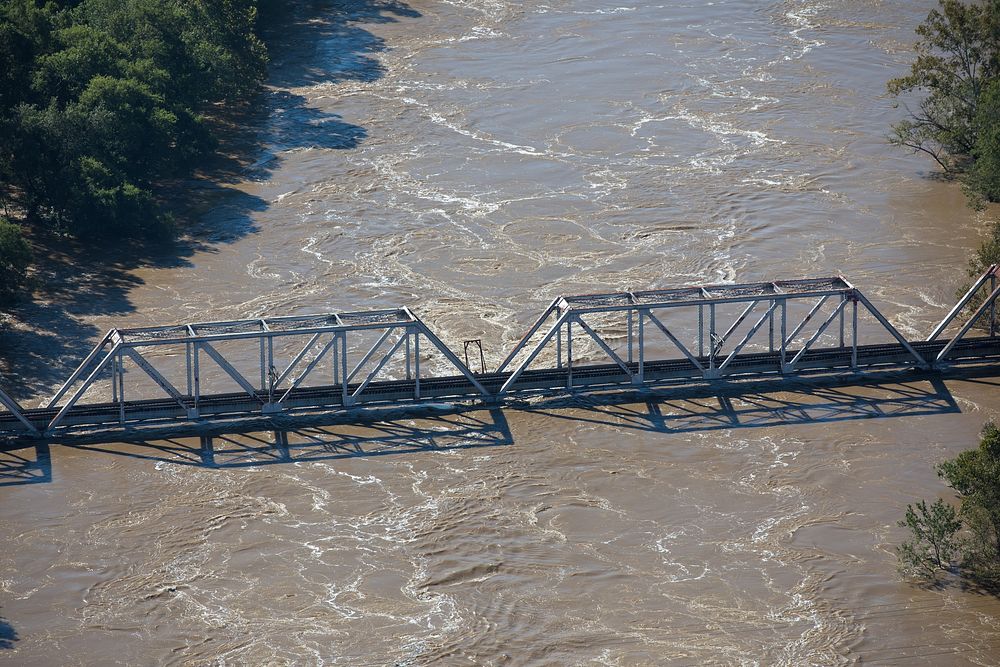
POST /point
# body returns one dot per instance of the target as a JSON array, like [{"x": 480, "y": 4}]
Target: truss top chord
[
  {"x": 284, "y": 325},
  {"x": 708, "y": 293}
]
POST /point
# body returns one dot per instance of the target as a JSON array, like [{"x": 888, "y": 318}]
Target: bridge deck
[{"x": 457, "y": 387}]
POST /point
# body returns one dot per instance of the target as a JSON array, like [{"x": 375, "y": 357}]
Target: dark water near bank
[{"x": 485, "y": 156}]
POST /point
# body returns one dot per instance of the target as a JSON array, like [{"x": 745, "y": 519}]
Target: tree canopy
[
  {"x": 957, "y": 72},
  {"x": 975, "y": 476},
  {"x": 102, "y": 99},
  {"x": 968, "y": 538}
]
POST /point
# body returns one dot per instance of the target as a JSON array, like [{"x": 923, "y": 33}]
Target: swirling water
[{"x": 473, "y": 159}]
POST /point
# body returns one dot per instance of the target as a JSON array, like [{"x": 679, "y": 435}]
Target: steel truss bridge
[{"x": 213, "y": 372}]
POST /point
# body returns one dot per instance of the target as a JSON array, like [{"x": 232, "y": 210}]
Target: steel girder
[
  {"x": 772, "y": 298},
  {"x": 14, "y": 408},
  {"x": 324, "y": 352},
  {"x": 401, "y": 335},
  {"x": 985, "y": 288}
]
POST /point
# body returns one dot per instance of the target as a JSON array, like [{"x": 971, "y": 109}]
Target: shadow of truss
[
  {"x": 709, "y": 409},
  {"x": 28, "y": 465},
  {"x": 460, "y": 430}
]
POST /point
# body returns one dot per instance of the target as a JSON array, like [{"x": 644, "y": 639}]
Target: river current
[{"x": 473, "y": 159}]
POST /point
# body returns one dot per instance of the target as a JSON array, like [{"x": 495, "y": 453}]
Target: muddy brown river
[{"x": 473, "y": 159}]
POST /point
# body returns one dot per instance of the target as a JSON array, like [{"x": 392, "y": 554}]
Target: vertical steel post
[
  {"x": 559, "y": 363},
  {"x": 843, "y": 297},
  {"x": 416, "y": 366},
  {"x": 701, "y": 330},
  {"x": 642, "y": 348},
  {"x": 569, "y": 352},
  {"x": 264, "y": 370},
  {"x": 784, "y": 331},
  {"x": 270, "y": 369},
  {"x": 121, "y": 388},
  {"x": 993, "y": 306},
  {"x": 770, "y": 328},
  {"x": 343, "y": 368},
  {"x": 630, "y": 336},
  {"x": 197, "y": 376},
  {"x": 114, "y": 379},
  {"x": 711, "y": 336},
  {"x": 335, "y": 359},
  {"x": 187, "y": 358},
  {"x": 407, "y": 334},
  {"x": 854, "y": 333}
]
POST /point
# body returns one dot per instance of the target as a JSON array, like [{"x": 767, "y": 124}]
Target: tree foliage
[
  {"x": 102, "y": 99},
  {"x": 957, "y": 70},
  {"x": 934, "y": 544},
  {"x": 983, "y": 180},
  {"x": 970, "y": 536},
  {"x": 15, "y": 257},
  {"x": 975, "y": 475}
]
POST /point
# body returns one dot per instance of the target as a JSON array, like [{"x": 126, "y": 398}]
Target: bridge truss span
[
  {"x": 257, "y": 367},
  {"x": 206, "y": 368},
  {"x": 768, "y": 307}
]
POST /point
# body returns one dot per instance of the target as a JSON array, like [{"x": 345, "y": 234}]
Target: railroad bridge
[{"x": 209, "y": 372}]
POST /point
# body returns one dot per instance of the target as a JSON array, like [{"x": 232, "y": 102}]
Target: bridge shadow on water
[
  {"x": 8, "y": 634},
  {"x": 324, "y": 442},
  {"x": 708, "y": 409},
  {"x": 413, "y": 430},
  {"x": 29, "y": 465}
]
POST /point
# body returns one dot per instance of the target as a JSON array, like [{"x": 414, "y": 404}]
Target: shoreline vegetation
[
  {"x": 102, "y": 103},
  {"x": 956, "y": 119},
  {"x": 963, "y": 541},
  {"x": 957, "y": 123}
]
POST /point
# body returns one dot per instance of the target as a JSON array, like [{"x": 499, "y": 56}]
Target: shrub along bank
[{"x": 965, "y": 539}]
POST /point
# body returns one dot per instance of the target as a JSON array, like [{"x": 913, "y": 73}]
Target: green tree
[
  {"x": 934, "y": 544},
  {"x": 100, "y": 100},
  {"x": 957, "y": 71},
  {"x": 975, "y": 475},
  {"x": 15, "y": 257},
  {"x": 81, "y": 53},
  {"x": 983, "y": 180},
  {"x": 208, "y": 46},
  {"x": 25, "y": 32},
  {"x": 957, "y": 57}
]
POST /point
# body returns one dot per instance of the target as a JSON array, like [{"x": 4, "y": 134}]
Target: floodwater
[{"x": 473, "y": 159}]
